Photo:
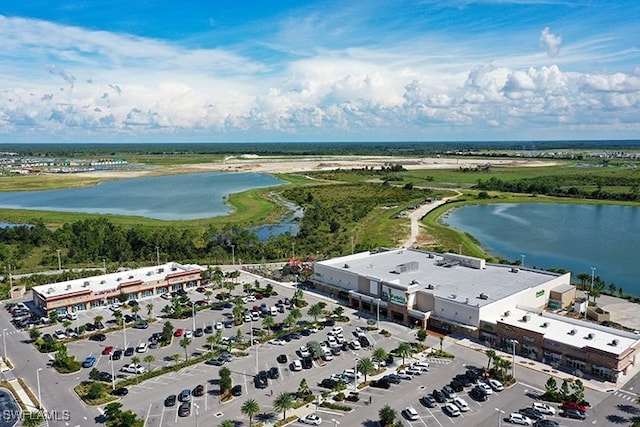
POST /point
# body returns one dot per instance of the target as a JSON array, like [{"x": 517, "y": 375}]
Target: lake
[
  {"x": 171, "y": 197},
  {"x": 570, "y": 236}
]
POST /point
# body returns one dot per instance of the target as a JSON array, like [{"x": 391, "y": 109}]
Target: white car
[
  {"x": 134, "y": 369},
  {"x": 59, "y": 334},
  {"x": 451, "y": 410},
  {"x": 72, "y": 316},
  {"x": 304, "y": 351},
  {"x": 495, "y": 384},
  {"x": 115, "y": 306},
  {"x": 352, "y": 374},
  {"x": 142, "y": 347},
  {"x": 219, "y": 325},
  {"x": 296, "y": 365},
  {"x": 313, "y": 330},
  {"x": 337, "y": 330},
  {"x": 423, "y": 365},
  {"x": 518, "y": 418},
  {"x": 404, "y": 375},
  {"x": 486, "y": 388},
  {"x": 543, "y": 408},
  {"x": 327, "y": 356},
  {"x": 165, "y": 295},
  {"x": 188, "y": 334},
  {"x": 461, "y": 404},
  {"x": 410, "y": 413},
  {"x": 355, "y": 345},
  {"x": 276, "y": 341},
  {"x": 312, "y": 419}
]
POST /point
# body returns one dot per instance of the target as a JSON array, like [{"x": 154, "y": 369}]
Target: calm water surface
[
  {"x": 569, "y": 236},
  {"x": 174, "y": 197}
]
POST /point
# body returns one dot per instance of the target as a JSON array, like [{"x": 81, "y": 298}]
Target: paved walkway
[
  {"x": 22, "y": 395},
  {"x": 419, "y": 213}
]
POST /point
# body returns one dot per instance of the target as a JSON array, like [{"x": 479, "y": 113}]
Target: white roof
[
  {"x": 574, "y": 332},
  {"x": 106, "y": 283}
]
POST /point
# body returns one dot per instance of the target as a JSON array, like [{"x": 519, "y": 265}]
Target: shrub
[{"x": 339, "y": 397}]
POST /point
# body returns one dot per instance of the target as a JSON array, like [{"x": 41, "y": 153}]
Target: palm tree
[
  {"x": 379, "y": 354},
  {"x": 227, "y": 423},
  {"x": 283, "y": 403},
  {"x": 250, "y": 408},
  {"x": 315, "y": 310},
  {"x": 149, "y": 310},
  {"x": 135, "y": 359},
  {"x": 118, "y": 316},
  {"x": 212, "y": 340},
  {"x": 148, "y": 359},
  {"x": 184, "y": 343},
  {"x": 289, "y": 321},
  {"x": 404, "y": 350},
  {"x": 97, "y": 319},
  {"x": 176, "y": 357},
  {"x": 296, "y": 313},
  {"x": 491, "y": 354},
  {"x": 365, "y": 365},
  {"x": 135, "y": 309},
  {"x": 268, "y": 322}
]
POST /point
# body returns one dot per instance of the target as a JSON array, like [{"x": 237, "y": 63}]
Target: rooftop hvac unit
[
  {"x": 545, "y": 325},
  {"x": 614, "y": 342},
  {"x": 526, "y": 318},
  {"x": 591, "y": 336},
  {"x": 346, "y": 266},
  {"x": 431, "y": 255},
  {"x": 483, "y": 296},
  {"x": 119, "y": 279},
  {"x": 130, "y": 277},
  {"x": 174, "y": 268},
  {"x": 102, "y": 282},
  {"x": 466, "y": 301},
  {"x": 68, "y": 287},
  {"x": 430, "y": 286},
  {"x": 50, "y": 290},
  {"x": 573, "y": 332},
  {"x": 85, "y": 284},
  {"x": 514, "y": 270}
]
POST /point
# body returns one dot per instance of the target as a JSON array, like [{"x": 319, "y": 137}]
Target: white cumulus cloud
[{"x": 550, "y": 42}]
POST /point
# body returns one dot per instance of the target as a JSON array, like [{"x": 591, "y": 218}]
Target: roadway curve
[{"x": 416, "y": 215}]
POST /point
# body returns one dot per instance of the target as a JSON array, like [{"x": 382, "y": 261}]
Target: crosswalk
[{"x": 626, "y": 395}]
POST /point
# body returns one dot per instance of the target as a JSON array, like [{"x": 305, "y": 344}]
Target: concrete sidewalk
[{"x": 21, "y": 394}]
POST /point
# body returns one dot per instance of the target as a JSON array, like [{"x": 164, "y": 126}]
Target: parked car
[
  {"x": 129, "y": 351},
  {"x": 451, "y": 410},
  {"x": 381, "y": 383},
  {"x": 456, "y": 385},
  {"x": 260, "y": 382},
  {"x": 95, "y": 337},
  {"x": 273, "y": 373},
  {"x": 170, "y": 400},
  {"x": 198, "y": 390},
  {"x": 328, "y": 383},
  {"x": 439, "y": 396},
  {"x": 575, "y": 414},
  {"x": 178, "y": 332},
  {"x": 105, "y": 376},
  {"x": 478, "y": 394},
  {"x": 353, "y": 396},
  {"x": 116, "y": 355},
  {"x": 518, "y": 418},
  {"x": 410, "y": 413},
  {"x": 461, "y": 404},
  {"x": 296, "y": 365},
  {"x": 185, "y": 395},
  {"x": 547, "y": 423},
  {"x": 282, "y": 358},
  {"x": 142, "y": 347},
  {"x": 107, "y": 350},
  {"x": 428, "y": 401},
  {"x": 120, "y": 391},
  {"x": 448, "y": 392},
  {"x": 495, "y": 384},
  {"x": 134, "y": 369},
  {"x": 141, "y": 324},
  {"x": 544, "y": 408},
  {"x": 311, "y": 419},
  {"x": 89, "y": 362},
  {"x": 574, "y": 405},
  {"x": 184, "y": 410},
  {"x": 393, "y": 378},
  {"x": 236, "y": 390},
  {"x": 531, "y": 413}
]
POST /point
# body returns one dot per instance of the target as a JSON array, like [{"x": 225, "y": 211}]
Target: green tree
[
  {"x": 227, "y": 423},
  {"x": 61, "y": 358},
  {"x": 283, "y": 402},
  {"x": 491, "y": 354},
  {"x": 365, "y": 365},
  {"x": 315, "y": 310},
  {"x": 184, "y": 343},
  {"x": 34, "y": 333},
  {"x": 225, "y": 380},
  {"x": 421, "y": 335},
  {"x": 176, "y": 358},
  {"x": 112, "y": 410},
  {"x": 289, "y": 321},
  {"x": 250, "y": 408},
  {"x": 315, "y": 349},
  {"x": 149, "y": 310},
  {"x": 97, "y": 320},
  {"x": 551, "y": 386},
  {"x": 296, "y": 313},
  {"x": 338, "y": 311},
  {"x": 149, "y": 359},
  {"x": 404, "y": 350},
  {"x": 66, "y": 324},
  {"x": 387, "y": 416},
  {"x": 53, "y": 316},
  {"x": 379, "y": 354},
  {"x": 94, "y": 374},
  {"x": 303, "y": 388},
  {"x": 565, "y": 393},
  {"x": 135, "y": 309},
  {"x": 268, "y": 322},
  {"x": 95, "y": 391},
  {"x": 212, "y": 340},
  {"x": 577, "y": 387}
]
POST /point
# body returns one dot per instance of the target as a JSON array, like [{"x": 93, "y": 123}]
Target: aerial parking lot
[{"x": 191, "y": 396}]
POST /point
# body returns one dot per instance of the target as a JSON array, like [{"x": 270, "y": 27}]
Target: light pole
[
  {"x": 124, "y": 333},
  {"x": 522, "y": 257},
  {"x": 500, "y": 412},
  {"x": 4, "y": 343},
  {"x": 233, "y": 254},
  {"x": 355, "y": 374},
  {"x": 293, "y": 250},
  {"x": 157, "y": 255},
  {"x": 593, "y": 272},
  {"x": 513, "y": 365},
  {"x": 197, "y": 407},
  {"x": 38, "y": 381},
  {"x": 193, "y": 316},
  {"x": 59, "y": 261},
  {"x": 336, "y": 423},
  {"x": 113, "y": 377},
  {"x": 378, "y": 314}
]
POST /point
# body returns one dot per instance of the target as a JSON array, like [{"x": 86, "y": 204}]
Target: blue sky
[{"x": 145, "y": 71}]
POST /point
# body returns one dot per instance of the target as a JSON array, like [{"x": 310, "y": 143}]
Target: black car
[
  {"x": 236, "y": 390},
  {"x": 463, "y": 379},
  {"x": 296, "y": 335},
  {"x": 392, "y": 378},
  {"x": 547, "y": 423},
  {"x": 428, "y": 401},
  {"x": 456, "y": 385},
  {"x": 439, "y": 396},
  {"x": 274, "y": 373},
  {"x": 129, "y": 351},
  {"x": 576, "y": 414},
  {"x": 472, "y": 375},
  {"x": 389, "y": 360},
  {"x": 307, "y": 362},
  {"x": 478, "y": 393},
  {"x": 336, "y": 351},
  {"x": 184, "y": 410},
  {"x": 198, "y": 332},
  {"x": 170, "y": 400},
  {"x": 260, "y": 382},
  {"x": 208, "y": 329},
  {"x": 531, "y": 413},
  {"x": 116, "y": 355},
  {"x": 90, "y": 327},
  {"x": 97, "y": 337},
  {"x": 328, "y": 383},
  {"x": 381, "y": 383},
  {"x": 305, "y": 332},
  {"x": 133, "y": 303},
  {"x": 105, "y": 376},
  {"x": 364, "y": 341},
  {"x": 49, "y": 338},
  {"x": 120, "y": 391},
  {"x": 282, "y": 358}
]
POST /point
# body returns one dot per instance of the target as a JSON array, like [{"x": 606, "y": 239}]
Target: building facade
[{"x": 99, "y": 291}]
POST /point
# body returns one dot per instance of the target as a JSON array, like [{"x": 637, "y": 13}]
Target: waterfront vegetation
[{"x": 344, "y": 210}]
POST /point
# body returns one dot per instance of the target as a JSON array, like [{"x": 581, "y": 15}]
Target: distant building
[
  {"x": 452, "y": 293},
  {"x": 98, "y": 291}
]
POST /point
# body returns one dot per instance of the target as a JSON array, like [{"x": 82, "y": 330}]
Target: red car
[
  {"x": 574, "y": 405},
  {"x": 107, "y": 350},
  {"x": 178, "y": 333},
  {"x": 198, "y": 391}
]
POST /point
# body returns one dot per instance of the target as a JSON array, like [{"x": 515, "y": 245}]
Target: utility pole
[{"x": 59, "y": 261}]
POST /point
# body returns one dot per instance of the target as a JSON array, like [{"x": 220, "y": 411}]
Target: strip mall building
[
  {"x": 99, "y": 291},
  {"x": 501, "y": 305}
]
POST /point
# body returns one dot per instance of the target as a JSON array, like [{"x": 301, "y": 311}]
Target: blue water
[
  {"x": 570, "y": 236},
  {"x": 173, "y": 197},
  {"x": 271, "y": 230}
]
